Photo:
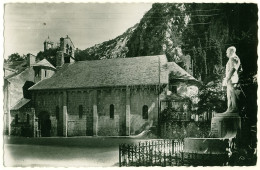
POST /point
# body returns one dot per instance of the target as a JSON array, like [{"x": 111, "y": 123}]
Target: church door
[{"x": 45, "y": 124}]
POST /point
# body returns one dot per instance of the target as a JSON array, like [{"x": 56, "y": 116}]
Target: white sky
[{"x": 87, "y": 23}]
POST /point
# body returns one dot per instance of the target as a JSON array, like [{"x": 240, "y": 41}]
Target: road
[{"x": 63, "y": 152}]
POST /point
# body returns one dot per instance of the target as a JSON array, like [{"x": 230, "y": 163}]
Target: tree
[
  {"x": 49, "y": 55},
  {"x": 15, "y": 57}
]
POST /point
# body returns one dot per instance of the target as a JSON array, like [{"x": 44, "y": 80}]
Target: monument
[
  {"x": 224, "y": 126},
  {"x": 228, "y": 124}
]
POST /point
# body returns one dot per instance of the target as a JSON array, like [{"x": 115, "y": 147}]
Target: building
[
  {"x": 17, "y": 98},
  {"x": 15, "y": 83},
  {"x": 113, "y": 97}
]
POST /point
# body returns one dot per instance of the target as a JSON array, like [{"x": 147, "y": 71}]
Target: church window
[
  {"x": 57, "y": 110},
  {"x": 27, "y": 118},
  {"x": 112, "y": 110},
  {"x": 173, "y": 89},
  {"x": 66, "y": 59},
  {"x": 16, "y": 119},
  {"x": 145, "y": 112},
  {"x": 45, "y": 73},
  {"x": 80, "y": 111}
]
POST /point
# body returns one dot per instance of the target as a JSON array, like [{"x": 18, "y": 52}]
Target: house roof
[
  {"x": 179, "y": 73},
  {"x": 8, "y": 68},
  {"x": 109, "y": 72},
  {"x": 20, "y": 104},
  {"x": 44, "y": 63}
]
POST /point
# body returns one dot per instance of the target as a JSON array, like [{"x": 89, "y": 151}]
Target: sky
[{"x": 26, "y": 26}]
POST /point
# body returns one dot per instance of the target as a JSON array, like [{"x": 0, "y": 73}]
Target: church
[{"x": 110, "y": 97}]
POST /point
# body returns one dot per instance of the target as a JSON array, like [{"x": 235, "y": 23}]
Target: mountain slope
[
  {"x": 115, "y": 48},
  {"x": 195, "y": 36}
]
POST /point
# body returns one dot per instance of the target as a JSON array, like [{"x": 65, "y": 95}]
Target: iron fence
[{"x": 165, "y": 153}]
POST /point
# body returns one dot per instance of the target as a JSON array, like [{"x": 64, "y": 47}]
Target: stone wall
[{"x": 104, "y": 125}]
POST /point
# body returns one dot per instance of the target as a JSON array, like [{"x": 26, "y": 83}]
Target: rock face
[{"x": 159, "y": 32}]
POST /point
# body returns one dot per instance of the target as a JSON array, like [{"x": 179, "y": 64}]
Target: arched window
[
  {"x": 27, "y": 118},
  {"x": 112, "y": 109},
  {"x": 145, "y": 112},
  {"x": 16, "y": 119},
  {"x": 57, "y": 111},
  {"x": 80, "y": 111}
]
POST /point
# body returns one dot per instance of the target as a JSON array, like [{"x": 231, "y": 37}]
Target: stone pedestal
[{"x": 225, "y": 126}]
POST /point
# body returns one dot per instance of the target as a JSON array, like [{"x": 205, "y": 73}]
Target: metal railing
[{"x": 165, "y": 153}]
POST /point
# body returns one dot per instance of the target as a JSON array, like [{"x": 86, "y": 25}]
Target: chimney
[{"x": 31, "y": 60}]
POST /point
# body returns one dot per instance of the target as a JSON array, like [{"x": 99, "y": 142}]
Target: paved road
[{"x": 63, "y": 152}]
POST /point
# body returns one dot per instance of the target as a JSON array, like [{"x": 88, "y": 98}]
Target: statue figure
[{"x": 231, "y": 80}]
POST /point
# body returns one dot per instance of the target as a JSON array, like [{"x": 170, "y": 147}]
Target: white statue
[{"x": 231, "y": 80}]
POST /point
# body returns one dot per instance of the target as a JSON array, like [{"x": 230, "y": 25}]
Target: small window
[
  {"x": 57, "y": 110},
  {"x": 80, "y": 111},
  {"x": 112, "y": 109},
  {"x": 37, "y": 72},
  {"x": 16, "y": 119},
  {"x": 27, "y": 118},
  {"x": 45, "y": 73},
  {"x": 173, "y": 89},
  {"x": 145, "y": 112}
]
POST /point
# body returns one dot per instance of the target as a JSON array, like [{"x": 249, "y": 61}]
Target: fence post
[
  {"x": 172, "y": 146},
  {"x": 132, "y": 146},
  {"x": 139, "y": 153},
  {"x": 164, "y": 159},
  {"x": 119, "y": 155}
]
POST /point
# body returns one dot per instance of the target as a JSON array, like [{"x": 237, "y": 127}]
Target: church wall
[
  {"x": 80, "y": 126},
  {"x": 139, "y": 98},
  {"x": 111, "y": 126},
  {"x": 106, "y": 125},
  {"x": 47, "y": 102}
]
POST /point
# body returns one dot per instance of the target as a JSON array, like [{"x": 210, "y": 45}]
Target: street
[{"x": 62, "y": 152}]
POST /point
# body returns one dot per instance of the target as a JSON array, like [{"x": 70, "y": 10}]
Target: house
[
  {"x": 113, "y": 97},
  {"x": 15, "y": 84}
]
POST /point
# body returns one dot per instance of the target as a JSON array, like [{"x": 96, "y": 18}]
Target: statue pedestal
[
  {"x": 225, "y": 126},
  {"x": 205, "y": 145}
]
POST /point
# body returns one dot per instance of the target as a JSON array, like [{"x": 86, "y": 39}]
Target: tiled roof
[{"x": 109, "y": 72}]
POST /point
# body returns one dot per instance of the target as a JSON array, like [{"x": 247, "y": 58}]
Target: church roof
[
  {"x": 179, "y": 73},
  {"x": 44, "y": 63},
  {"x": 20, "y": 104},
  {"x": 109, "y": 72}
]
